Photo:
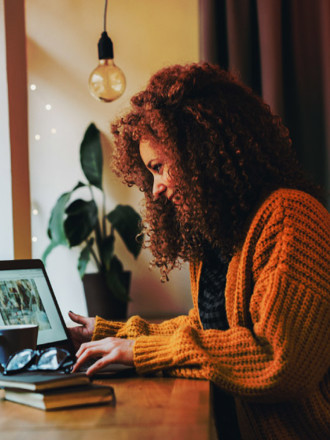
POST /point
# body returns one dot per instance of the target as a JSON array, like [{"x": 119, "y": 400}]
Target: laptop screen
[{"x": 26, "y": 298}]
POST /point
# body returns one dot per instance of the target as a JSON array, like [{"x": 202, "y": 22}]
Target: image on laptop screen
[{"x": 25, "y": 298}]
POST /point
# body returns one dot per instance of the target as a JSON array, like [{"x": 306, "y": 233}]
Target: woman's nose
[{"x": 158, "y": 188}]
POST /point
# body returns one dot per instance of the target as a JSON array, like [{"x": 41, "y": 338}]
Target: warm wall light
[{"x": 107, "y": 82}]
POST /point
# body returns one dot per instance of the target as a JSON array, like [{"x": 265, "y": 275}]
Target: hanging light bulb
[{"x": 107, "y": 82}]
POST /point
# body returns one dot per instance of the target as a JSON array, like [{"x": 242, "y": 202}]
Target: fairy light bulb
[{"x": 107, "y": 81}]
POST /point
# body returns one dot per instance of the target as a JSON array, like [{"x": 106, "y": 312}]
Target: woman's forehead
[{"x": 151, "y": 148}]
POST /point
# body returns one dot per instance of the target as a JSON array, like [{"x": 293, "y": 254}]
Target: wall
[
  {"x": 6, "y": 219},
  {"x": 18, "y": 126},
  {"x": 15, "y": 223},
  {"x": 62, "y": 38}
]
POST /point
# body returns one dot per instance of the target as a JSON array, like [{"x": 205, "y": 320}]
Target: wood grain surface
[{"x": 146, "y": 408}]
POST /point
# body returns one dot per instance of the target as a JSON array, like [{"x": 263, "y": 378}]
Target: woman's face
[{"x": 159, "y": 164}]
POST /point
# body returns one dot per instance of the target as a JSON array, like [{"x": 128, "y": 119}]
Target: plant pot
[{"x": 99, "y": 299}]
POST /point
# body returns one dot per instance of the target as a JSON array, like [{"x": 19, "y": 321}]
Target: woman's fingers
[
  {"x": 109, "y": 350},
  {"x": 103, "y": 362},
  {"x": 88, "y": 345},
  {"x": 92, "y": 349},
  {"x": 92, "y": 352},
  {"x": 79, "y": 319},
  {"x": 85, "y": 329}
]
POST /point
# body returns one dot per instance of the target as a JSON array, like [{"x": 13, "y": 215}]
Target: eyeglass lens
[
  {"x": 20, "y": 360},
  {"x": 52, "y": 359}
]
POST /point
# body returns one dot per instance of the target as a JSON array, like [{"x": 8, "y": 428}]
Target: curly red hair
[{"x": 229, "y": 152}]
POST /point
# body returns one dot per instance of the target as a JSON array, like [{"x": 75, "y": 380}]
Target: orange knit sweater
[{"x": 275, "y": 356}]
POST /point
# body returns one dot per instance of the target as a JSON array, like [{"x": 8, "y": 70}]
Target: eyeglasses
[{"x": 50, "y": 359}]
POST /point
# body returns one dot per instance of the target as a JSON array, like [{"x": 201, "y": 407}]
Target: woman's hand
[
  {"x": 83, "y": 332},
  {"x": 108, "y": 350}
]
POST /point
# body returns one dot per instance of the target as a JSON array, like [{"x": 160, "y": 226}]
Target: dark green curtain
[{"x": 280, "y": 48}]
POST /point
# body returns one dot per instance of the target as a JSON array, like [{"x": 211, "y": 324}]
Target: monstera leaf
[
  {"x": 55, "y": 230},
  {"x": 84, "y": 257},
  {"x": 91, "y": 158},
  {"x": 127, "y": 223},
  {"x": 81, "y": 221}
]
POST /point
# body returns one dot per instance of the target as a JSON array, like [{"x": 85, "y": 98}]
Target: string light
[
  {"x": 47, "y": 107},
  {"x": 35, "y": 213},
  {"x": 34, "y": 208}
]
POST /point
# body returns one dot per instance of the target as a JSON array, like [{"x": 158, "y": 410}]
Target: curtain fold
[{"x": 280, "y": 49}]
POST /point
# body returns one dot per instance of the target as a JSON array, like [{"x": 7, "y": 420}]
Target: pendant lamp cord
[{"x": 105, "y": 15}]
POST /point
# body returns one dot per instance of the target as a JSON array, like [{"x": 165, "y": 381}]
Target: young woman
[{"x": 224, "y": 192}]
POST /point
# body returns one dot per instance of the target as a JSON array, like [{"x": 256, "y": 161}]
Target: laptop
[{"x": 27, "y": 297}]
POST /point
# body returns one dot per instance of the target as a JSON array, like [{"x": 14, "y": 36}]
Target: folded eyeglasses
[{"x": 50, "y": 359}]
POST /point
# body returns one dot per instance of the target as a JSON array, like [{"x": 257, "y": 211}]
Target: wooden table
[{"x": 146, "y": 408}]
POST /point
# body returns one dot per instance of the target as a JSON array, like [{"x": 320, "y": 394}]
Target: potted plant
[{"x": 79, "y": 222}]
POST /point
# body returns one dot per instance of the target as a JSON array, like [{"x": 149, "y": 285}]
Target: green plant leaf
[
  {"x": 107, "y": 251},
  {"x": 55, "y": 226},
  {"x": 48, "y": 250},
  {"x": 55, "y": 229},
  {"x": 127, "y": 223},
  {"x": 114, "y": 280},
  {"x": 80, "y": 222},
  {"x": 85, "y": 257},
  {"x": 91, "y": 157}
]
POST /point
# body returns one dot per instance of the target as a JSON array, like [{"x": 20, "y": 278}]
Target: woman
[{"x": 224, "y": 192}]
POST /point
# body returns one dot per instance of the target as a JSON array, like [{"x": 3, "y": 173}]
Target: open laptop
[{"x": 27, "y": 297}]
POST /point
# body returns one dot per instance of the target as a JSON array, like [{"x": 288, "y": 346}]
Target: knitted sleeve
[
  {"x": 136, "y": 326},
  {"x": 278, "y": 344}
]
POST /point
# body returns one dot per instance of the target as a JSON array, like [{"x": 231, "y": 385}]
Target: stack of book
[{"x": 49, "y": 391}]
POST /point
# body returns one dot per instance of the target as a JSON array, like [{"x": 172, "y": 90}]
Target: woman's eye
[{"x": 157, "y": 167}]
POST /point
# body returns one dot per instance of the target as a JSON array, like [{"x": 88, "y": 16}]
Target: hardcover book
[
  {"x": 62, "y": 397},
  {"x": 38, "y": 381}
]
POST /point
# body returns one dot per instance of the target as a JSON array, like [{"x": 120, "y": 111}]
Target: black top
[
  {"x": 212, "y": 312},
  {"x": 211, "y": 295}
]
